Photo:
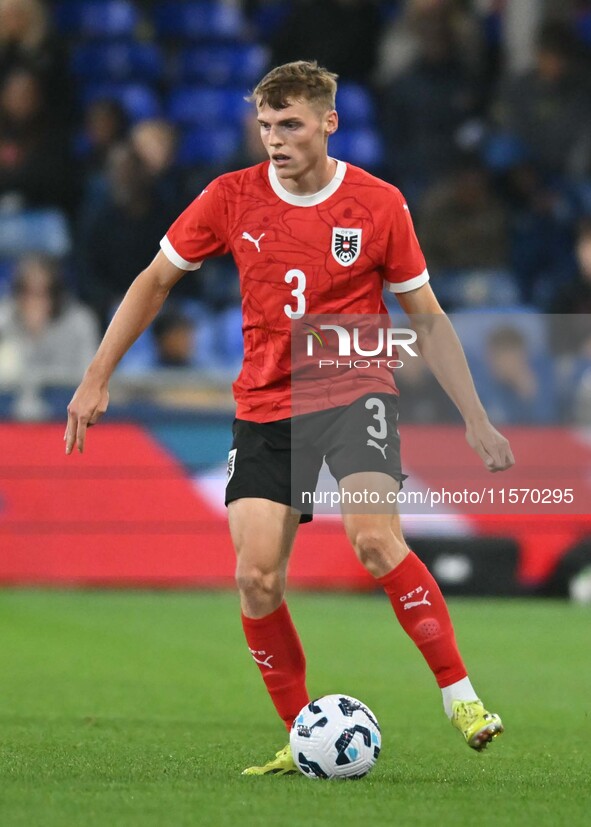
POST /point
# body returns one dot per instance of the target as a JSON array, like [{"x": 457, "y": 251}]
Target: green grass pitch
[{"x": 123, "y": 708}]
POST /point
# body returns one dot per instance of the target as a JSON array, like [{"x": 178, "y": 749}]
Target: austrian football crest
[{"x": 346, "y": 245}]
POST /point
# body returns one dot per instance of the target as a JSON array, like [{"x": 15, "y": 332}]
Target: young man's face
[{"x": 295, "y": 137}]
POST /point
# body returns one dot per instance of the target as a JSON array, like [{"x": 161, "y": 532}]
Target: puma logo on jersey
[
  {"x": 381, "y": 448},
  {"x": 255, "y": 241}
]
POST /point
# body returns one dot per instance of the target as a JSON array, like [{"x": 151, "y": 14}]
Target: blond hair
[{"x": 300, "y": 80}]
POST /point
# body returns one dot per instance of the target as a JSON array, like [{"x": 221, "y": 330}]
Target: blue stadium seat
[
  {"x": 230, "y": 342},
  {"x": 138, "y": 100},
  {"x": 502, "y": 151},
  {"x": 118, "y": 61},
  {"x": 206, "y": 106},
  {"x": 204, "y": 20},
  {"x": 270, "y": 17},
  {"x": 208, "y": 146},
  {"x": 475, "y": 326},
  {"x": 362, "y": 147},
  {"x": 221, "y": 64},
  {"x": 478, "y": 288},
  {"x": 141, "y": 356},
  {"x": 43, "y": 231},
  {"x": 391, "y": 9},
  {"x": 7, "y": 270},
  {"x": 355, "y": 105},
  {"x": 97, "y": 18},
  {"x": 583, "y": 26}
]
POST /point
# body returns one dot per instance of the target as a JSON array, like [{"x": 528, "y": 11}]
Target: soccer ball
[{"x": 335, "y": 737}]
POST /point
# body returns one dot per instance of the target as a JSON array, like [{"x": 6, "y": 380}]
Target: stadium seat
[
  {"x": 141, "y": 356},
  {"x": 207, "y": 106},
  {"x": 503, "y": 151},
  {"x": 222, "y": 64},
  {"x": 270, "y": 17},
  {"x": 204, "y": 354},
  {"x": 475, "y": 326},
  {"x": 138, "y": 100},
  {"x": 478, "y": 288},
  {"x": 583, "y": 25},
  {"x": 43, "y": 231},
  {"x": 362, "y": 147},
  {"x": 206, "y": 20},
  {"x": 355, "y": 105},
  {"x": 7, "y": 269},
  {"x": 96, "y": 19},
  {"x": 119, "y": 61},
  {"x": 230, "y": 342},
  {"x": 208, "y": 146}
]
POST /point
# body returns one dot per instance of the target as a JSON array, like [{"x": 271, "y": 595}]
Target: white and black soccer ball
[{"x": 335, "y": 736}]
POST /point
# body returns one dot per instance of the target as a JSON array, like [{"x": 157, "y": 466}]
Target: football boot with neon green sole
[
  {"x": 282, "y": 764},
  {"x": 478, "y": 726}
]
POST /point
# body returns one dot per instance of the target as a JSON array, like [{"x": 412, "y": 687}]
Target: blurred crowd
[{"x": 114, "y": 114}]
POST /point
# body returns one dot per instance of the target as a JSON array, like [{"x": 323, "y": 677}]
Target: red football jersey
[{"x": 327, "y": 253}]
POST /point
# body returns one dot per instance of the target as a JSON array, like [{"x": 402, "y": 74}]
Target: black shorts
[{"x": 279, "y": 460}]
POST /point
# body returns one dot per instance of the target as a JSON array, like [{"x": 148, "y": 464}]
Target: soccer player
[{"x": 310, "y": 234}]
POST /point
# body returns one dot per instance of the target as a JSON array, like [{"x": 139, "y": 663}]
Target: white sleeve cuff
[
  {"x": 410, "y": 284},
  {"x": 174, "y": 258}
]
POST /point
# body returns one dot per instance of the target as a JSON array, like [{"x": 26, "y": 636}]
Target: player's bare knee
[
  {"x": 260, "y": 586},
  {"x": 379, "y": 551},
  {"x": 372, "y": 550}
]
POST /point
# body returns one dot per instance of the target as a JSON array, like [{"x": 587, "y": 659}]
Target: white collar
[{"x": 307, "y": 200}]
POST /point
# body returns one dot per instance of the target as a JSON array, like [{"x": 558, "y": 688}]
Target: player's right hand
[
  {"x": 88, "y": 404},
  {"x": 490, "y": 445}
]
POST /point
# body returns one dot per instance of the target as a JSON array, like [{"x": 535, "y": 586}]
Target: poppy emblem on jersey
[{"x": 346, "y": 245}]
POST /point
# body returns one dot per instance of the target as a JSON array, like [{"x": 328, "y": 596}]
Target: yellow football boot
[
  {"x": 282, "y": 764},
  {"x": 478, "y": 726}
]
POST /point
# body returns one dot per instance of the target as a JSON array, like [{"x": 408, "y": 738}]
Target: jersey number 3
[{"x": 297, "y": 293}]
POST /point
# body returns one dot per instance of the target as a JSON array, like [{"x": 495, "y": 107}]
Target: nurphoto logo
[{"x": 341, "y": 342}]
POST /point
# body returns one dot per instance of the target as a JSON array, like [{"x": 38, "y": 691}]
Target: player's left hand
[
  {"x": 490, "y": 445},
  {"x": 88, "y": 404}
]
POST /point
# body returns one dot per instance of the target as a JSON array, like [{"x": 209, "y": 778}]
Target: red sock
[
  {"x": 422, "y": 613},
  {"x": 276, "y": 647}
]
